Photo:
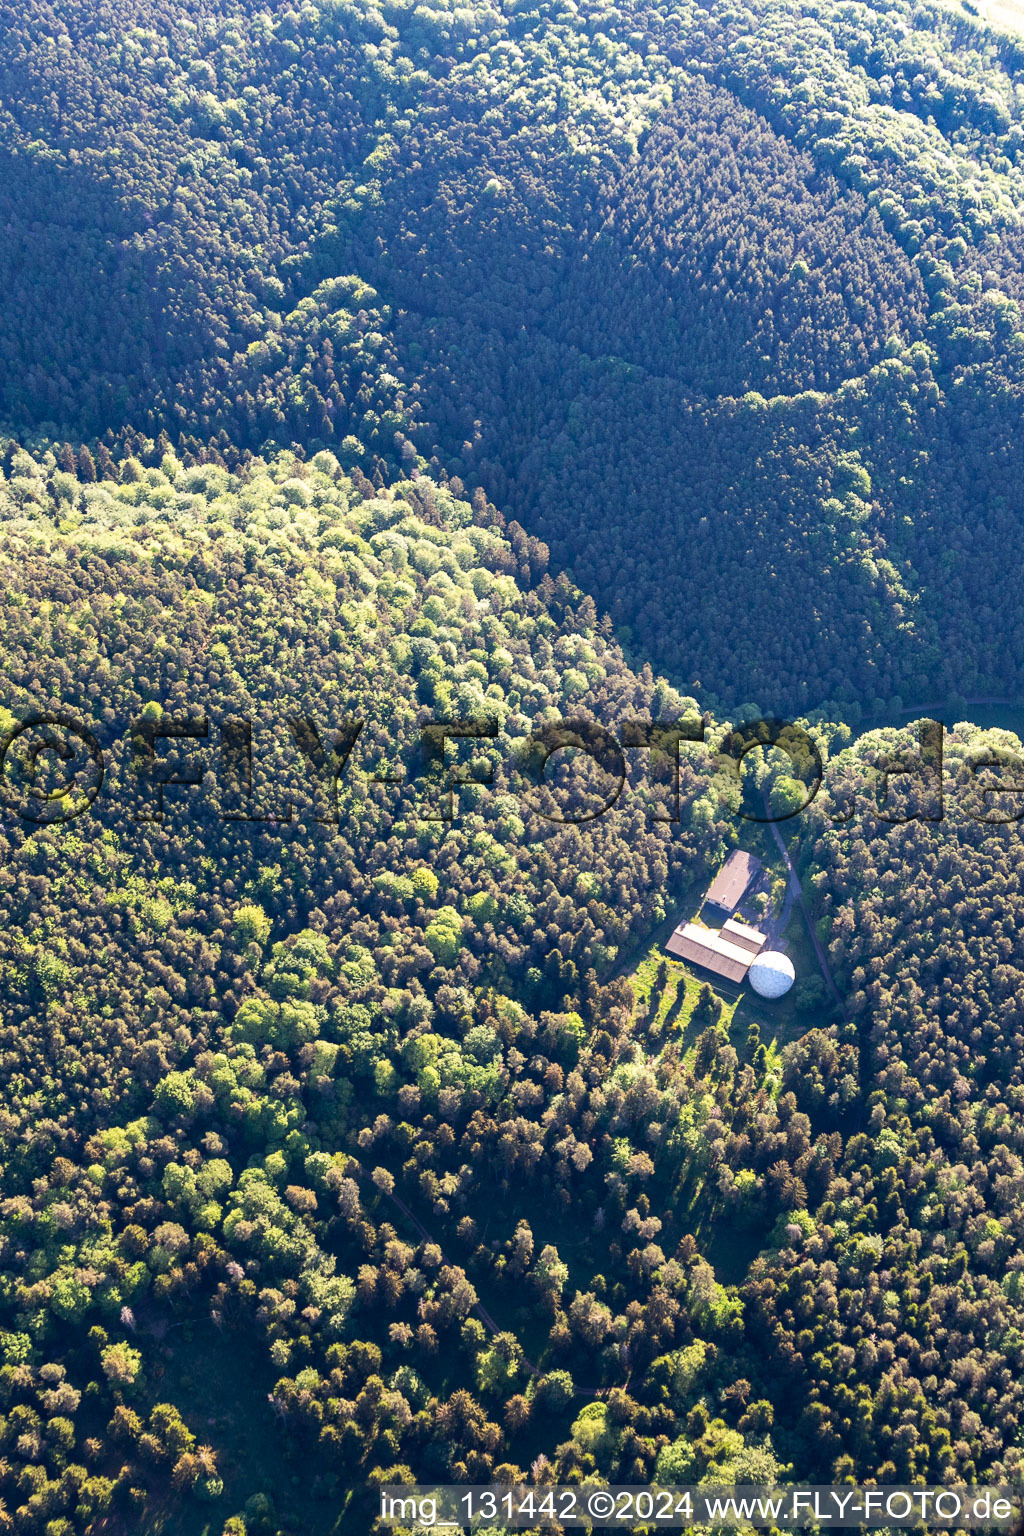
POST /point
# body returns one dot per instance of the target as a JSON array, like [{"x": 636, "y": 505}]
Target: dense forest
[
  {"x": 752, "y": 271},
  {"x": 548, "y": 373}
]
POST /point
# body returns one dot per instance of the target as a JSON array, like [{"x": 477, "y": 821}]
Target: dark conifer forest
[{"x": 563, "y": 374}]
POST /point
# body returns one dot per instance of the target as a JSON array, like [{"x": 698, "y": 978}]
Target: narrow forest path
[
  {"x": 795, "y": 892},
  {"x": 873, "y": 722},
  {"x": 793, "y": 882}
]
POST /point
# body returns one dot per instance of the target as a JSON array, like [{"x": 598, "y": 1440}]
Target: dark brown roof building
[
  {"x": 728, "y": 956},
  {"x": 730, "y": 885},
  {"x": 743, "y": 936}
]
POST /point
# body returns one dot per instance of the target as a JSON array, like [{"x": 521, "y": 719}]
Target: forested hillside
[
  {"x": 369, "y": 368},
  {"x": 719, "y": 302}
]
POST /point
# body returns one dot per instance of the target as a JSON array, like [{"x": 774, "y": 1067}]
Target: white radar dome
[{"x": 771, "y": 974}]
